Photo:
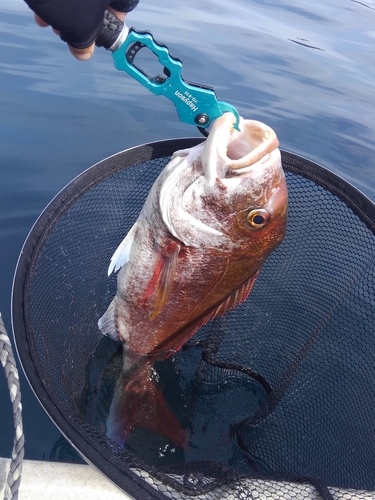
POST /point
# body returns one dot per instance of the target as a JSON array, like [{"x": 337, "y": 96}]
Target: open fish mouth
[
  {"x": 265, "y": 142},
  {"x": 231, "y": 153}
]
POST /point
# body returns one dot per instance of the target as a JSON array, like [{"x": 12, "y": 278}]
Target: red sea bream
[{"x": 212, "y": 217}]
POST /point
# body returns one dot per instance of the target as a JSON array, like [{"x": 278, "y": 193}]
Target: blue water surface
[{"x": 306, "y": 68}]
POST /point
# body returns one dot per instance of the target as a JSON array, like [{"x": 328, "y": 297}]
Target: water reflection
[{"x": 59, "y": 116}]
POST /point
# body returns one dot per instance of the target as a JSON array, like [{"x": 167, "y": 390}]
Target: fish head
[{"x": 241, "y": 195}]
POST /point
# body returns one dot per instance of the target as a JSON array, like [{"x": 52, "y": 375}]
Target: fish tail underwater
[
  {"x": 138, "y": 402},
  {"x": 211, "y": 219}
]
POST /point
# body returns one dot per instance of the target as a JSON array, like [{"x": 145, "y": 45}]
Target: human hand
[
  {"x": 80, "y": 54},
  {"x": 78, "y": 22}
]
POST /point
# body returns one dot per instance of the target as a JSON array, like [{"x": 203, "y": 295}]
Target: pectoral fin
[
  {"x": 161, "y": 283},
  {"x": 121, "y": 255}
]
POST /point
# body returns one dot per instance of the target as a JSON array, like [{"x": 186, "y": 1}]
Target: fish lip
[
  {"x": 270, "y": 158},
  {"x": 256, "y": 132}
]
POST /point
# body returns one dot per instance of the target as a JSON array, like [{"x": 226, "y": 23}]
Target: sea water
[{"x": 305, "y": 68}]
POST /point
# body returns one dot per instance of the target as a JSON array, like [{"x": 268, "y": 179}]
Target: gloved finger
[
  {"x": 85, "y": 54},
  {"x": 39, "y": 21},
  {"x": 120, "y": 15},
  {"x": 82, "y": 54}
]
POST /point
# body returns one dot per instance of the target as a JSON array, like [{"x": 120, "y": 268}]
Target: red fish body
[{"x": 211, "y": 219}]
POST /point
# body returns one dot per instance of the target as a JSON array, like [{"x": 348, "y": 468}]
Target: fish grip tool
[
  {"x": 196, "y": 104},
  {"x": 306, "y": 328}
]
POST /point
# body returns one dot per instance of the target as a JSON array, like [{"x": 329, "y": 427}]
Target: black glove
[{"x": 79, "y": 21}]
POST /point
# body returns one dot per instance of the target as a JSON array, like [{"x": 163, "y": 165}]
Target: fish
[{"x": 211, "y": 219}]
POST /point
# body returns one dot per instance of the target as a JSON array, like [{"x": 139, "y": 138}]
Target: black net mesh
[{"x": 278, "y": 395}]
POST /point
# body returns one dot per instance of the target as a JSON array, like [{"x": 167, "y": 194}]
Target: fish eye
[{"x": 258, "y": 218}]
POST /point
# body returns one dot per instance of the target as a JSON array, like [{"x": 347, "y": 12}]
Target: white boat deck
[{"x": 61, "y": 481}]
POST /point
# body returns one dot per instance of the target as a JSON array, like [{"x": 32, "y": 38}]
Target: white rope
[{"x": 9, "y": 363}]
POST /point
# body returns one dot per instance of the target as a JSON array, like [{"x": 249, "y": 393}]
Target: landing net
[{"x": 278, "y": 396}]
